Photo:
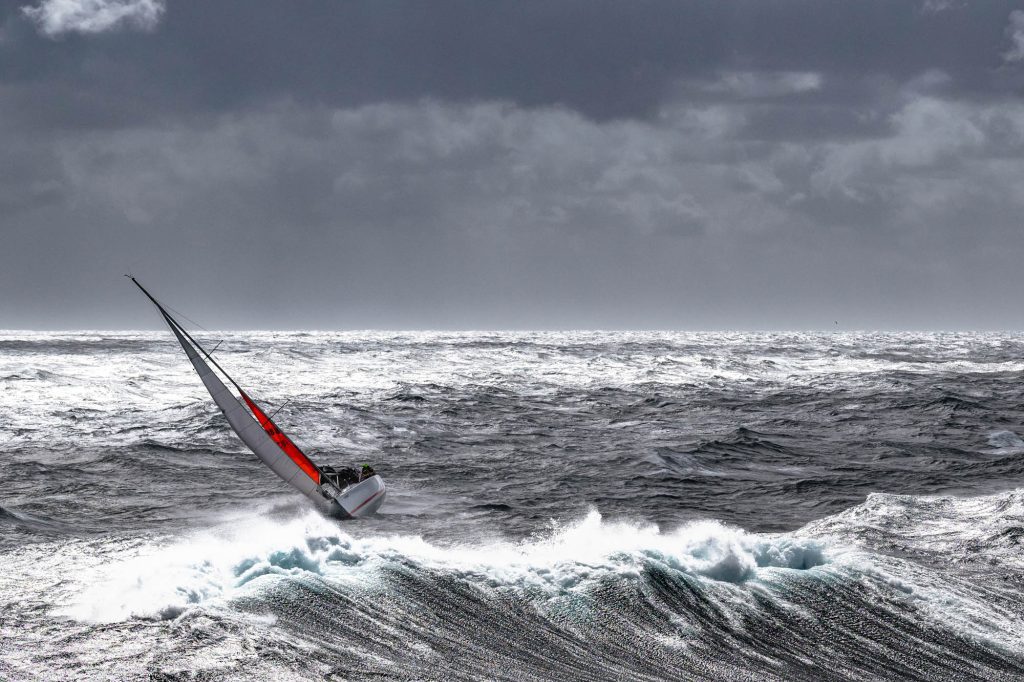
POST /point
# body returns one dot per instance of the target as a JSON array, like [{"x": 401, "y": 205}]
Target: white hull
[{"x": 363, "y": 498}]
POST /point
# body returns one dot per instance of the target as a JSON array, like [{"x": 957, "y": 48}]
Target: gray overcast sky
[{"x": 432, "y": 164}]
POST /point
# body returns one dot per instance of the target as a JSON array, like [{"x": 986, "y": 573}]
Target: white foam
[
  {"x": 164, "y": 580},
  {"x": 151, "y": 384},
  {"x": 978, "y": 533},
  {"x": 1006, "y": 442}
]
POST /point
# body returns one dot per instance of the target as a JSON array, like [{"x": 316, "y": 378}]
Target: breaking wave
[
  {"x": 233, "y": 563},
  {"x": 139, "y": 540},
  {"x": 594, "y": 598}
]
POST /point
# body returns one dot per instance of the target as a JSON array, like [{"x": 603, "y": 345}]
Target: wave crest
[{"x": 164, "y": 581}]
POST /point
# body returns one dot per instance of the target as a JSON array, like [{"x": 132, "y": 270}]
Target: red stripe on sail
[{"x": 283, "y": 441}]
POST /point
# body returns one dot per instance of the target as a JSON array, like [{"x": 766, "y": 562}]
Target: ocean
[{"x": 561, "y": 506}]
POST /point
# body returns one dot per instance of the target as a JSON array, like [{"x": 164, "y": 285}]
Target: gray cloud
[
  {"x": 429, "y": 197},
  {"x": 760, "y": 84},
  {"x": 57, "y": 17},
  {"x": 1016, "y": 32},
  {"x": 652, "y": 164},
  {"x": 936, "y": 6}
]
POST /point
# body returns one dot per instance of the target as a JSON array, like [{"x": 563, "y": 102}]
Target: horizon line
[{"x": 537, "y": 330}]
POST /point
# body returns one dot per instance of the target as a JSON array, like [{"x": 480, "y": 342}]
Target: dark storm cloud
[
  {"x": 552, "y": 164},
  {"x": 601, "y": 58}
]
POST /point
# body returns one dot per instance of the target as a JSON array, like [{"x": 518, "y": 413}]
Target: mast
[
  {"x": 174, "y": 324},
  {"x": 267, "y": 441}
]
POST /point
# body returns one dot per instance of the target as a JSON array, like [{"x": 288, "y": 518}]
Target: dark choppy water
[{"x": 562, "y": 506}]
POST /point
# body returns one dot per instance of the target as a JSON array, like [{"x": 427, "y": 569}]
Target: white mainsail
[
  {"x": 246, "y": 426},
  {"x": 277, "y": 452},
  {"x": 274, "y": 448}
]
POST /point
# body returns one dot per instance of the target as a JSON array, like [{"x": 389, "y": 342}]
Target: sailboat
[{"x": 332, "y": 493}]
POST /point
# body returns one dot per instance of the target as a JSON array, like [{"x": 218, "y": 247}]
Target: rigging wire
[
  {"x": 271, "y": 417},
  {"x": 194, "y": 323},
  {"x": 208, "y": 354},
  {"x": 186, "y": 317}
]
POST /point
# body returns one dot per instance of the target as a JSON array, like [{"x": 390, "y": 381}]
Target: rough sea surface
[{"x": 561, "y": 506}]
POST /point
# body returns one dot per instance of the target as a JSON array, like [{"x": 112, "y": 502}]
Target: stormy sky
[{"x": 755, "y": 164}]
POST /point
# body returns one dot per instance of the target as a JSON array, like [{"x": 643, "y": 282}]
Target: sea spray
[{"x": 216, "y": 565}]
